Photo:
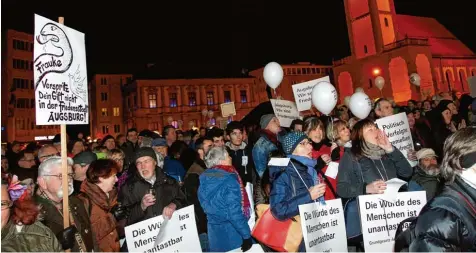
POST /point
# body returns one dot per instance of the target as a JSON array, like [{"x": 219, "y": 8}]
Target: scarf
[
  {"x": 98, "y": 196},
  {"x": 310, "y": 164},
  {"x": 372, "y": 151},
  {"x": 245, "y": 202},
  {"x": 271, "y": 136}
]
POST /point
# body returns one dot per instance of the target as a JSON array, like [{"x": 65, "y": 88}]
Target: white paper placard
[
  {"x": 323, "y": 226},
  {"x": 285, "y": 111},
  {"x": 60, "y": 76},
  {"x": 332, "y": 170},
  {"x": 398, "y": 132},
  {"x": 180, "y": 233},
  {"x": 302, "y": 93},
  {"x": 380, "y": 218},
  {"x": 228, "y": 109}
]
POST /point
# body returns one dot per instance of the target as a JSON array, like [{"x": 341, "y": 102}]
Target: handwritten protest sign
[
  {"x": 380, "y": 218},
  {"x": 302, "y": 93},
  {"x": 285, "y": 111},
  {"x": 61, "y": 85},
  {"x": 140, "y": 237},
  {"x": 323, "y": 226},
  {"x": 398, "y": 132}
]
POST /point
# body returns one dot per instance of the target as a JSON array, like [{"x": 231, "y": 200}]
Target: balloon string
[{"x": 332, "y": 128}]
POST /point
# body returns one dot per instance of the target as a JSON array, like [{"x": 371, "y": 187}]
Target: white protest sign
[
  {"x": 285, "y": 111},
  {"x": 59, "y": 70},
  {"x": 140, "y": 237},
  {"x": 323, "y": 226},
  {"x": 252, "y": 219},
  {"x": 398, "y": 132},
  {"x": 380, "y": 218},
  {"x": 302, "y": 93}
]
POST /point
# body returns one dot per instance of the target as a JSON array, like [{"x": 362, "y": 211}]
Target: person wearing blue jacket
[
  {"x": 223, "y": 198},
  {"x": 297, "y": 183}
]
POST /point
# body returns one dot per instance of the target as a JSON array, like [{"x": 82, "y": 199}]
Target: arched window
[
  {"x": 448, "y": 81},
  {"x": 385, "y": 20},
  {"x": 461, "y": 78}
]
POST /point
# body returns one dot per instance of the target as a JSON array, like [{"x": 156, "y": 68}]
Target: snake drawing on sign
[{"x": 57, "y": 55}]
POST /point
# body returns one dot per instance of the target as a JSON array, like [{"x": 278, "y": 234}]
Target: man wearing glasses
[
  {"x": 25, "y": 166},
  {"x": 49, "y": 196}
]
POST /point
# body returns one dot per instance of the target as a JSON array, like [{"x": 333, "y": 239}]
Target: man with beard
[
  {"x": 160, "y": 147},
  {"x": 426, "y": 175},
  {"x": 78, "y": 236}
]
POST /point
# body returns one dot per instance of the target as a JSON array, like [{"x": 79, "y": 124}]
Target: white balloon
[
  {"x": 379, "y": 82},
  {"x": 415, "y": 79},
  {"x": 359, "y": 90},
  {"x": 324, "y": 97},
  {"x": 347, "y": 101},
  {"x": 273, "y": 74},
  {"x": 360, "y": 105}
]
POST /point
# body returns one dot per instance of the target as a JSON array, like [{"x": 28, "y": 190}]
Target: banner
[
  {"x": 323, "y": 226},
  {"x": 380, "y": 217},
  {"x": 59, "y": 71},
  {"x": 398, "y": 132},
  {"x": 285, "y": 111},
  {"x": 302, "y": 93},
  {"x": 180, "y": 233},
  {"x": 252, "y": 219}
]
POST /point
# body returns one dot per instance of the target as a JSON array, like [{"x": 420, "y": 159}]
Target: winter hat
[
  {"x": 145, "y": 151},
  {"x": 265, "y": 119},
  {"x": 159, "y": 142},
  {"x": 108, "y": 137},
  {"x": 84, "y": 158},
  {"x": 291, "y": 140},
  {"x": 425, "y": 152},
  {"x": 443, "y": 105}
]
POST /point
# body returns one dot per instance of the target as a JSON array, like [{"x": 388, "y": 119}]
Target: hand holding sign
[
  {"x": 376, "y": 187},
  {"x": 317, "y": 191}
]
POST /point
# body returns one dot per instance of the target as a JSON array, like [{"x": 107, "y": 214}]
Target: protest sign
[
  {"x": 228, "y": 109},
  {"x": 285, "y": 111},
  {"x": 323, "y": 226},
  {"x": 380, "y": 218},
  {"x": 398, "y": 132},
  {"x": 59, "y": 70},
  {"x": 252, "y": 219},
  {"x": 302, "y": 93},
  {"x": 180, "y": 233}
]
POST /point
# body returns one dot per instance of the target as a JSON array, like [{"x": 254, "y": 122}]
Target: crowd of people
[{"x": 119, "y": 181}]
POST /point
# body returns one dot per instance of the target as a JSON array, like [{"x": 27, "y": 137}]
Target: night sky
[{"x": 217, "y": 38}]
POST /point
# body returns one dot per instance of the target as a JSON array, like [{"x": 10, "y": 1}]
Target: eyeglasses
[
  {"x": 305, "y": 142},
  {"x": 60, "y": 176},
  {"x": 6, "y": 204},
  {"x": 47, "y": 156}
]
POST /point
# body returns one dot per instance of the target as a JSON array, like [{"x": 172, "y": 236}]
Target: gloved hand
[
  {"x": 66, "y": 237},
  {"x": 246, "y": 245},
  {"x": 119, "y": 211}
]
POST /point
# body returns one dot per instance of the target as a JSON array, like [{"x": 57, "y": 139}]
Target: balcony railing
[
  {"x": 406, "y": 42},
  {"x": 342, "y": 61}
]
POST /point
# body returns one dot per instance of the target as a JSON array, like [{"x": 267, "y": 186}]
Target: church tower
[{"x": 371, "y": 26}]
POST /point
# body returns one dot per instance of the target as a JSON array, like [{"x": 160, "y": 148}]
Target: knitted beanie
[
  {"x": 291, "y": 140},
  {"x": 145, "y": 151},
  {"x": 265, "y": 119}
]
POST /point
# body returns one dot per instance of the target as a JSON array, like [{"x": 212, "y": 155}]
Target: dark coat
[
  {"x": 354, "y": 174},
  {"x": 247, "y": 173},
  {"x": 167, "y": 191},
  {"x": 32, "y": 238},
  {"x": 448, "y": 224},
  {"x": 51, "y": 217},
  {"x": 431, "y": 184},
  {"x": 191, "y": 185}
]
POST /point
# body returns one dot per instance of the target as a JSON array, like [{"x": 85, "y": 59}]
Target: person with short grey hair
[
  {"x": 49, "y": 197},
  {"x": 223, "y": 198},
  {"x": 448, "y": 222}
]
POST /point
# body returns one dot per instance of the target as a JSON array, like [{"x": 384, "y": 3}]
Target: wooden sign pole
[{"x": 64, "y": 167}]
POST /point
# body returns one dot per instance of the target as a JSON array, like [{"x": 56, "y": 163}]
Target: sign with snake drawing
[{"x": 61, "y": 84}]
